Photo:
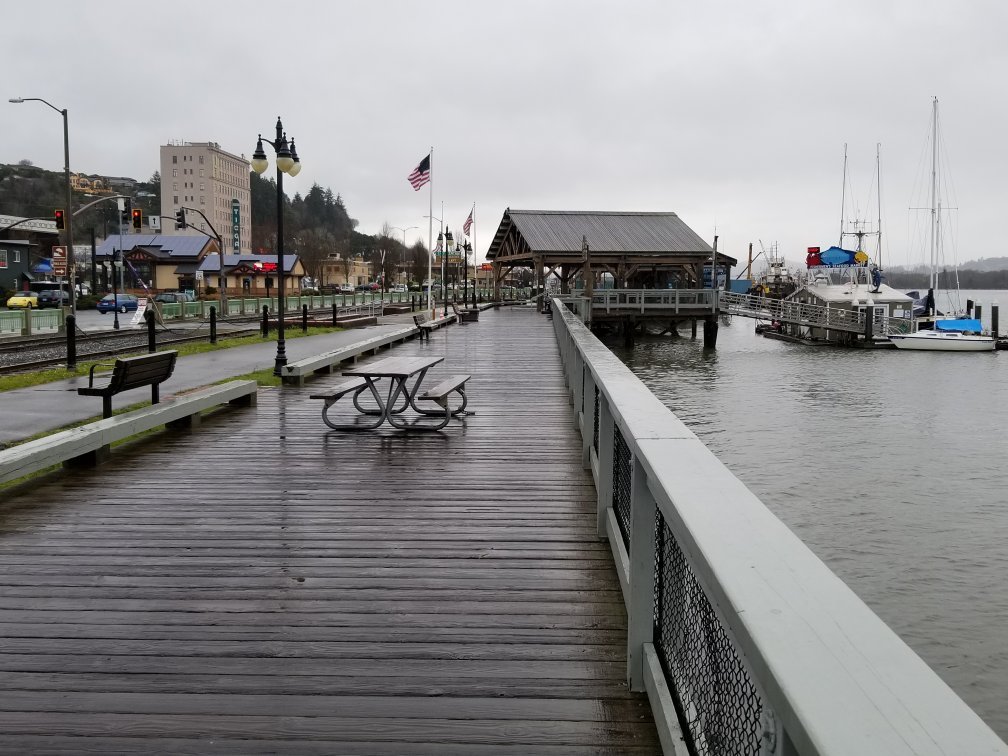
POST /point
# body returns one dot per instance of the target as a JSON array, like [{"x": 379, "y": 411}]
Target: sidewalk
[{"x": 29, "y": 411}]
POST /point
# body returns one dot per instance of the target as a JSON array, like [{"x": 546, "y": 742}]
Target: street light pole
[
  {"x": 68, "y": 215},
  {"x": 404, "y": 230},
  {"x": 286, "y": 162},
  {"x": 449, "y": 240}
]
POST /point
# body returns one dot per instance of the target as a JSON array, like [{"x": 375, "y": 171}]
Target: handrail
[
  {"x": 731, "y": 618},
  {"x": 807, "y": 314}
]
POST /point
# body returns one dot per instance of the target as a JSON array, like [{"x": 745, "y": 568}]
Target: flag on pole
[
  {"x": 421, "y": 174},
  {"x": 467, "y": 226}
]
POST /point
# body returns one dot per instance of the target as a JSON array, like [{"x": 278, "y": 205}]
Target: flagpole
[
  {"x": 430, "y": 235},
  {"x": 475, "y": 277}
]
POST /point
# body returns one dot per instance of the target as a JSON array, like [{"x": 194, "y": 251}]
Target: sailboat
[{"x": 948, "y": 334}]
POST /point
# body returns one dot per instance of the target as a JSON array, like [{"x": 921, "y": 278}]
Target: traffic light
[
  {"x": 60, "y": 220},
  {"x": 127, "y": 211},
  {"x": 137, "y": 218},
  {"x": 180, "y": 218}
]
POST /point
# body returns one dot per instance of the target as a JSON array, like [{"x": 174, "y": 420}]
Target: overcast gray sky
[{"x": 731, "y": 113}]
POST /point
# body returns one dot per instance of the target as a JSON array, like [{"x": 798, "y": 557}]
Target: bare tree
[
  {"x": 419, "y": 259},
  {"x": 314, "y": 246}
]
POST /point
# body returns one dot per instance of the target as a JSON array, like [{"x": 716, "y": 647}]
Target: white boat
[
  {"x": 932, "y": 332},
  {"x": 960, "y": 335}
]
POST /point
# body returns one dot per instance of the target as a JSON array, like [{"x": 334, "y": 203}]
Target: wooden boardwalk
[{"x": 265, "y": 585}]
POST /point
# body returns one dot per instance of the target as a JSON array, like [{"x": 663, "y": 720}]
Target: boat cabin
[{"x": 855, "y": 288}]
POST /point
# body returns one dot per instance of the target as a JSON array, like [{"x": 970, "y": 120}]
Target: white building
[{"x": 202, "y": 176}]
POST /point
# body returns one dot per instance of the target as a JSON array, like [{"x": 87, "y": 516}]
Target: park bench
[
  {"x": 130, "y": 373},
  {"x": 90, "y": 443},
  {"x": 426, "y": 323},
  {"x": 466, "y": 314}
]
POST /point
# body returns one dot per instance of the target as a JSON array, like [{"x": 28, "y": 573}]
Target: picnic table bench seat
[{"x": 440, "y": 392}]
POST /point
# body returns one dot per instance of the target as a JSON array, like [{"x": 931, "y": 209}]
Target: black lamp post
[
  {"x": 466, "y": 249},
  {"x": 286, "y": 162},
  {"x": 449, "y": 240}
]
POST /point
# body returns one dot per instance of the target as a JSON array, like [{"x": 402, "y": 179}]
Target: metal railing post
[
  {"x": 151, "y": 335},
  {"x": 641, "y": 600},
  {"x": 604, "y": 484},
  {"x": 71, "y": 340}
]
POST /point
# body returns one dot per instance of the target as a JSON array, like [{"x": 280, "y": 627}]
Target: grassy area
[{"x": 48, "y": 375}]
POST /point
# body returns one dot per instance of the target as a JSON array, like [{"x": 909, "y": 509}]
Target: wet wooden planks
[{"x": 265, "y": 585}]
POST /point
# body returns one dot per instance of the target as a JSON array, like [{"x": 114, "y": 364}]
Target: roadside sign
[
  {"x": 59, "y": 261},
  {"x": 235, "y": 224},
  {"x": 140, "y": 310}
]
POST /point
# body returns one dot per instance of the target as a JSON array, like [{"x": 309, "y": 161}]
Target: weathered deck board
[{"x": 263, "y": 584}]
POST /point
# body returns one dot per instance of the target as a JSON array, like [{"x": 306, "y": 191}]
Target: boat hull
[{"x": 937, "y": 341}]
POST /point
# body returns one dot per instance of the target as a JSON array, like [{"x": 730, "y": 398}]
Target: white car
[{"x": 399, "y": 289}]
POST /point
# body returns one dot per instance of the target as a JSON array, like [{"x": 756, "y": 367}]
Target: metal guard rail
[
  {"x": 744, "y": 641},
  {"x": 815, "y": 316}
]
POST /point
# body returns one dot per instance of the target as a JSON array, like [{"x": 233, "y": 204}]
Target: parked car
[
  {"x": 53, "y": 298},
  {"x": 23, "y": 300},
  {"x": 346, "y": 289},
  {"x": 399, "y": 289},
  {"x": 124, "y": 303},
  {"x": 171, "y": 297}
]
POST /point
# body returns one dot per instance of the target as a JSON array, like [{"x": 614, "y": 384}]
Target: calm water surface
[{"x": 890, "y": 465}]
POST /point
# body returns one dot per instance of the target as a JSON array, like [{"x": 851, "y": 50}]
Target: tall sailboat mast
[
  {"x": 934, "y": 194},
  {"x": 878, "y": 174},
  {"x": 843, "y": 195}
]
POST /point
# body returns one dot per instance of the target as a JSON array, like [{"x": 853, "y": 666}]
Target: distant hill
[{"x": 986, "y": 265}]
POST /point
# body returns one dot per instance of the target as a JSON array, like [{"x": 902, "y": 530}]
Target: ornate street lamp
[
  {"x": 286, "y": 162},
  {"x": 466, "y": 249},
  {"x": 71, "y": 266}
]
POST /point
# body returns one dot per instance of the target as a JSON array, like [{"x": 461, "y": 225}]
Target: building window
[
  {"x": 17, "y": 255},
  {"x": 202, "y": 200},
  {"x": 174, "y": 172},
  {"x": 174, "y": 186},
  {"x": 175, "y": 201},
  {"x": 201, "y": 160},
  {"x": 174, "y": 159},
  {"x": 201, "y": 186},
  {"x": 201, "y": 173}
]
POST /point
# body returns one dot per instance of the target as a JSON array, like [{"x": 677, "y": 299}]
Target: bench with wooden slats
[
  {"x": 426, "y": 323},
  {"x": 130, "y": 373}
]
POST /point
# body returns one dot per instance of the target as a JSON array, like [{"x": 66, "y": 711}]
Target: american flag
[
  {"x": 467, "y": 226},
  {"x": 421, "y": 174}
]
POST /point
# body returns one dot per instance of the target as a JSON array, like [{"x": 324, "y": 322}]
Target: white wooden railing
[{"x": 731, "y": 618}]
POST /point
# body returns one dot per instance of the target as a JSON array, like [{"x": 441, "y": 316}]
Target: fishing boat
[
  {"x": 776, "y": 281},
  {"x": 932, "y": 332}
]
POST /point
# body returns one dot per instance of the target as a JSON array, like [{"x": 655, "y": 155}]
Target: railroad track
[{"x": 26, "y": 355}]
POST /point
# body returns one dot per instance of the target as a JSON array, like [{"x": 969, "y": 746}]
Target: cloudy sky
[{"x": 732, "y": 113}]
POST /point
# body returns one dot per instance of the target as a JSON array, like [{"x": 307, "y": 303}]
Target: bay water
[{"x": 892, "y": 466}]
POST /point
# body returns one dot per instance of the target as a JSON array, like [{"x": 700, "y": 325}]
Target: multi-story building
[{"x": 202, "y": 176}]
